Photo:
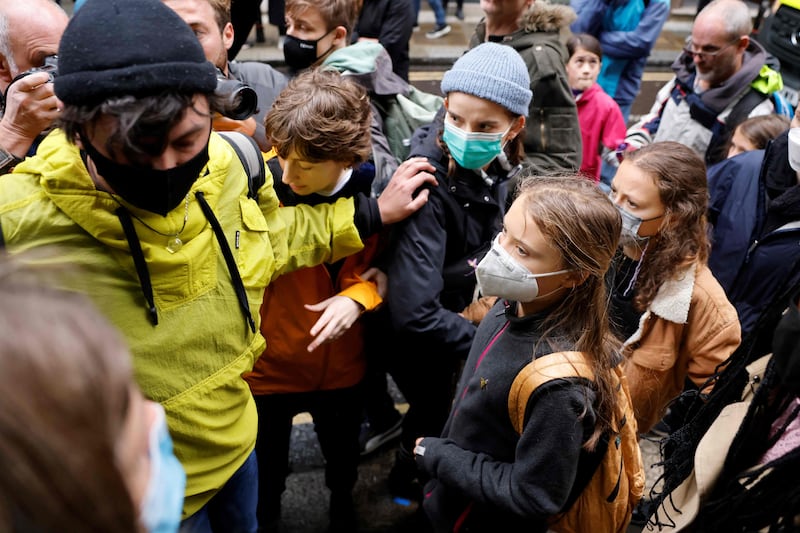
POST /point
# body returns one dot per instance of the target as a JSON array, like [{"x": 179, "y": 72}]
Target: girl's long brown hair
[
  {"x": 582, "y": 223},
  {"x": 680, "y": 175}
]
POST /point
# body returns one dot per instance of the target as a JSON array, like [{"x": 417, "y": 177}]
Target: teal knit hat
[{"x": 495, "y": 72}]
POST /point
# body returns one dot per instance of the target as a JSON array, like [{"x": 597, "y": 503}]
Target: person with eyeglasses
[{"x": 721, "y": 78}]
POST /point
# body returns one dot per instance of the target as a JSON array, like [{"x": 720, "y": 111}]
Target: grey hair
[
  {"x": 5, "y": 42},
  {"x": 735, "y": 15}
]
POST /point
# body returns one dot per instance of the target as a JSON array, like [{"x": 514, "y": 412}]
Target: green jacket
[
  {"x": 552, "y": 133},
  {"x": 193, "y": 360}
]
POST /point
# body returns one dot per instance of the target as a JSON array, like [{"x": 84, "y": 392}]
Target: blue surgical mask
[
  {"x": 472, "y": 150},
  {"x": 163, "y": 500},
  {"x": 499, "y": 274}
]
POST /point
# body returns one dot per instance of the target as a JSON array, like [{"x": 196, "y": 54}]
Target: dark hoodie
[{"x": 552, "y": 134}]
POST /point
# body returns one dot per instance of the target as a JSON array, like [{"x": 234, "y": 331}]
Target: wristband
[{"x": 8, "y": 161}]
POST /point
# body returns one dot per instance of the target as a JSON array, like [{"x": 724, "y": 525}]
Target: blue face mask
[
  {"x": 163, "y": 500},
  {"x": 472, "y": 150}
]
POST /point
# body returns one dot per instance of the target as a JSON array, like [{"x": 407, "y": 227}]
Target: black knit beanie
[{"x": 129, "y": 47}]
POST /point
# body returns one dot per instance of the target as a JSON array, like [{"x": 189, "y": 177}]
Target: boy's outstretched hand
[{"x": 402, "y": 196}]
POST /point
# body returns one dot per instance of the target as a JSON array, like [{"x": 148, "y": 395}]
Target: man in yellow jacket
[{"x": 136, "y": 189}]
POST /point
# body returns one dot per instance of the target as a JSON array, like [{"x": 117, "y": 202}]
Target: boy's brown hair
[
  {"x": 322, "y": 116},
  {"x": 334, "y": 12}
]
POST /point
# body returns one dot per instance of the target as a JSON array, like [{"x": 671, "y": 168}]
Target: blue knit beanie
[
  {"x": 113, "y": 48},
  {"x": 495, "y": 72}
]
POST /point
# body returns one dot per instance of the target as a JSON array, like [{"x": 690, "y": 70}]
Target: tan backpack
[{"x": 607, "y": 502}]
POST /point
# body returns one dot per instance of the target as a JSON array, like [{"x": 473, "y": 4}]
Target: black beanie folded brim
[
  {"x": 90, "y": 87},
  {"x": 114, "y": 48}
]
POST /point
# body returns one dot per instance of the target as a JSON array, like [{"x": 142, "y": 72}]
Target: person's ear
[
  {"x": 340, "y": 37},
  {"x": 744, "y": 42},
  {"x": 227, "y": 36},
  {"x": 5, "y": 71},
  {"x": 516, "y": 127},
  {"x": 575, "y": 278}
]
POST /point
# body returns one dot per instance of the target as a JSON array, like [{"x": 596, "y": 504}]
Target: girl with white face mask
[
  {"x": 430, "y": 277},
  {"x": 80, "y": 448},
  {"x": 547, "y": 267},
  {"x": 673, "y": 315}
]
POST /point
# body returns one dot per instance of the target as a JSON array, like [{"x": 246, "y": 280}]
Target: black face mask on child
[{"x": 300, "y": 54}]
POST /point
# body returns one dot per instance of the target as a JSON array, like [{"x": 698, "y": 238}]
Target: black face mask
[
  {"x": 786, "y": 349},
  {"x": 300, "y": 53},
  {"x": 157, "y": 191}
]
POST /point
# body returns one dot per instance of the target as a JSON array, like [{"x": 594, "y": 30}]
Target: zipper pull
[{"x": 749, "y": 251}]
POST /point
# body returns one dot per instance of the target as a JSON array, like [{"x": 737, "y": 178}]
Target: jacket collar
[
  {"x": 370, "y": 65},
  {"x": 672, "y": 301},
  {"x": 674, "y": 297},
  {"x": 541, "y": 17}
]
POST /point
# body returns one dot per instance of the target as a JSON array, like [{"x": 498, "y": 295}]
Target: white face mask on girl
[{"x": 501, "y": 275}]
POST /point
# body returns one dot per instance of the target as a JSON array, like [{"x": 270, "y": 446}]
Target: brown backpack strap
[{"x": 546, "y": 368}]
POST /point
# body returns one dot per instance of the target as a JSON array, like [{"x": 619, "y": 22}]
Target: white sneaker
[{"x": 438, "y": 31}]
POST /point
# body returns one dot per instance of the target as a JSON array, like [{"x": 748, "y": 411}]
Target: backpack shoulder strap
[
  {"x": 721, "y": 133},
  {"x": 546, "y": 368},
  {"x": 250, "y": 155},
  {"x": 742, "y": 109}
]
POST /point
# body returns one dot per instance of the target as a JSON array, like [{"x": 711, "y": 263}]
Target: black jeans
[{"x": 337, "y": 421}]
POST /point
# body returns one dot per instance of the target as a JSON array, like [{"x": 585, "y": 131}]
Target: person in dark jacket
[
  {"x": 547, "y": 267},
  {"x": 755, "y": 212},
  {"x": 389, "y": 22},
  {"x": 431, "y": 267},
  {"x": 552, "y": 135}
]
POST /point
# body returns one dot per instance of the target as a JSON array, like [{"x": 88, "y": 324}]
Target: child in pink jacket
[{"x": 601, "y": 122}]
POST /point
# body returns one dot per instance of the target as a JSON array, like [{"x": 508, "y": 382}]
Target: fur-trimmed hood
[{"x": 547, "y": 17}]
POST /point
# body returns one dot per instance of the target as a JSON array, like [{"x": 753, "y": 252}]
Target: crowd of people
[{"x": 178, "y": 280}]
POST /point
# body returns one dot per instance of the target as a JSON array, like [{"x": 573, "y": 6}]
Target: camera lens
[{"x": 237, "y": 100}]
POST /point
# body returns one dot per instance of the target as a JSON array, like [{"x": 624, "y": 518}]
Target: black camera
[
  {"x": 236, "y": 99},
  {"x": 50, "y": 66}
]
